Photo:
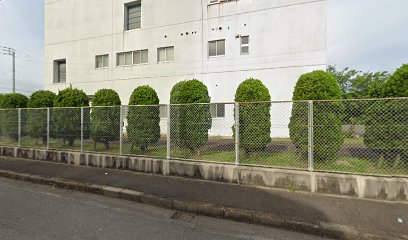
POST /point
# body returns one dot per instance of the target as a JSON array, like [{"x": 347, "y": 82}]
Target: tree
[
  {"x": 327, "y": 135},
  {"x": 66, "y": 116},
  {"x": 9, "y": 114},
  {"x": 105, "y": 117},
  {"x": 387, "y": 121},
  {"x": 358, "y": 85},
  {"x": 36, "y": 124},
  {"x": 143, "y": 118},
  {"x": 254, "y": 118},
  {"x": 190, "y": 116}
]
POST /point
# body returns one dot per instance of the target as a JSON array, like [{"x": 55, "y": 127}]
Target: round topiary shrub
[
  {"x": 9, "y": 114},
  {"x": 14, "y": 100},
  {"x": 254, "y": 115},
  {"x": 190, "y": 120},
  {"x": 143, "y": 118},
  {"x": 36, "y": 125},
  {"x": 105, "y": 117},
  {"x": 66, "y": 115},
  {"x": 387, "y": 121},
  {"x": 41, "y": 99},
  {"x": 327, "y": 116}
]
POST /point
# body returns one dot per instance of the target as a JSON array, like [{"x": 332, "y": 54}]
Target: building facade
[{"x": 123, "y": 44}]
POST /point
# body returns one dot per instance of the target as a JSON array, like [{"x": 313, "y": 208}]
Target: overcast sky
[{"x": 368, "y": 35}]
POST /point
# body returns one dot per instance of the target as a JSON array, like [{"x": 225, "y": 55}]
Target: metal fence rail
[{"x": 357, "y": 136}]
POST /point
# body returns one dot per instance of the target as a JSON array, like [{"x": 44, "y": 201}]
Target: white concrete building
[{"x": 123, "y": 44}]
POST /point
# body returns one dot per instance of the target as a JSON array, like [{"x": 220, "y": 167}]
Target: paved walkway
[{"x": 367, "y": 216}]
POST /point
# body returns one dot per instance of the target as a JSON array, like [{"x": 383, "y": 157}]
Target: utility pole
[{"x": 11, "y": 52}]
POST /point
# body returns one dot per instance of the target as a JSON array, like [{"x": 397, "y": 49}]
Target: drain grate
[{"x": 184, "y": 217}]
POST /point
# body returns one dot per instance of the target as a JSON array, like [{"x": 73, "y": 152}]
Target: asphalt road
[{"x": 30, "y": 211}]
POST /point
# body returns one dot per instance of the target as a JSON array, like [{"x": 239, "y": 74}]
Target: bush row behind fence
[{"x": 317, "y": 130}]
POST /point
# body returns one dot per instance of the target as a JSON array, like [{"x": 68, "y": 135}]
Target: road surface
[{"x": 31, "y": 211}]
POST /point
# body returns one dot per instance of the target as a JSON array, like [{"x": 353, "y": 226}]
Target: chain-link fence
[{"x": 356, "y": 136}]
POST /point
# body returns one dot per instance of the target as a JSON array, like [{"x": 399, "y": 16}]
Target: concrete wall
[
  {"x": 370, "y": 187},
  {"x": 287, "y": 39}
]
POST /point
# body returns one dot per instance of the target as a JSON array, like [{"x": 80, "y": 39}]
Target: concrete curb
[{"x": 241, "y": 215}]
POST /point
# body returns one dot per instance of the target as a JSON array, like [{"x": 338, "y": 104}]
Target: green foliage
[
  {"x": 105, "y": 117},
  {"x": 387, "y": 121},
  {"x": 327, "y": 116},
  {"x": 36, "y": 125},
  {"x": 190, "y": 122},
  {"x": 1, "y": 98},
  {"x": 71, "y": 97},
  {"x": 397, "y": 85},
  {"x": 143, "y": 118},
  {"x": 66, "y": 117},
  {"x": 358, "y": 85},
  {"x": 14, "y": 100},
  {"x": 9, "y": 114},
  {"x": 41, "y": 99},
  {"x": 254, "y": 118}
]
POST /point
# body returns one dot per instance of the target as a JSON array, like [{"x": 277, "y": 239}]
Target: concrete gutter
[{"x": 322, "y": 229}]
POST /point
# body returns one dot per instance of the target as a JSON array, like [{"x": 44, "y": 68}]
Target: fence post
[
  {"x": 48, "y": 128},
  {"x": 236, "y": 134},
  {"x": 120, "y": 130},
  {"x": 168, "y": 131},
  {"x": 82, "y": 129},
  {"x": 310, "y": 137},
  {"x": 19, "y": 128}
]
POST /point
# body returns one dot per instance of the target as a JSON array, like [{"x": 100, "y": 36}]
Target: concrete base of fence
[{"x": 370, "y": 187}]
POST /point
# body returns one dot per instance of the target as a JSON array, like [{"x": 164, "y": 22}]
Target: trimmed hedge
[
  {"x": 14, "y": 100},
  {"x": 66, "y": 117},
  {"x": 254, "y": 118},
  {"x": 143, "y": 121},
  {"x": 387, "y": 121},
  {"x": 9, "y": 118},
  {"x": 327, "y": 116},
  {"x": 189, "y": 122},
  {"x": 36, "y": 124},
  {"x": 105, "y": 117}
]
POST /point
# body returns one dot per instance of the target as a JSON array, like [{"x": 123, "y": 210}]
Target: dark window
[
  {"x": 133, "y": 15},
  {"x": 60, "y": 72}
]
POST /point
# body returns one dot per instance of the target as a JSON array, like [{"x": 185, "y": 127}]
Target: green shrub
[
  {"x": 14, "y": 100},
  {"x": 387, "y": 120},
  {"x": 1, "y": 98},
  {"x": 143, "y": 121},
  {"x": 66, "y": 116},
  {"x": 254, "y": 118},
  {"x": 190, "y": 122},
  {"x": 36, "y": 125},
  {"x": 9, "y": 114},
  {"x": 41, "y": 99},
  {"x": 105, "y": 117},
  {"x": 327, "y": 116}
]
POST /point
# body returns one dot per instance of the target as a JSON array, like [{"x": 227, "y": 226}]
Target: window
[
  {"x": 216, "y": 48},
  {"x": 132, "y": 58},
  {"x": 217, "y": 110},
  {"x": 60, "y": 71},
  {"x": 165, "y": 54},
  {"x": 163, "y": 111},
  {"x": 245, "y": 45},
  {"x": 140, "y": 57},
  {"x": 124, "y": 59},
  {"x": 133, "y": 15},
  {"x": 102, "y": 61}
]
